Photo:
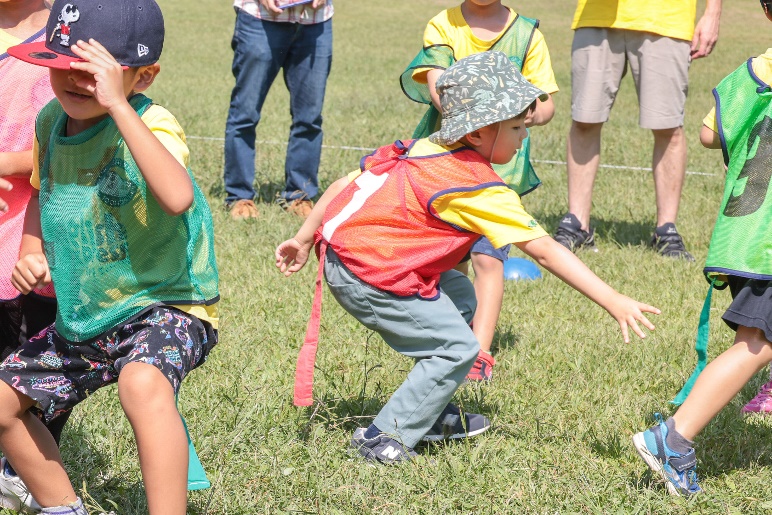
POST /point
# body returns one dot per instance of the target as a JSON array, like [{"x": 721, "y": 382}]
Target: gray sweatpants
[{"x": 435, "y": 333}]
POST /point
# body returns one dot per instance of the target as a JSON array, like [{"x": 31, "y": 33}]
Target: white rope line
[{"x": 540, "y": 161}]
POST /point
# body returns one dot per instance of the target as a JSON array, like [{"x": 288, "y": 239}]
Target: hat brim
[
  {"x": 39, "y": 54},
  {"x": 454, "y": 128}
]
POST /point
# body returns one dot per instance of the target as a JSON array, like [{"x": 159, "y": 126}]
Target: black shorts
[
  {"x": 58, "y": 374},
  {"x": 23, "y": 318},
  {"x": 751, "y": 305}
]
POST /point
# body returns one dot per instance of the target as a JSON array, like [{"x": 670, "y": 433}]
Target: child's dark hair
[
  {"x": 766, "y": 5},
  {"x": 532, "y": 107}
]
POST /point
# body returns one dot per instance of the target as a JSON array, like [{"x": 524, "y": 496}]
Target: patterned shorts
[{"x": 58, "y": 374}]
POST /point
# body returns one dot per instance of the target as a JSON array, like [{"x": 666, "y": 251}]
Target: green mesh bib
[
  {"x": 514, "y": 42},
  {"x": 742, "y": 237},
  {"x": 112, "y": 250}
]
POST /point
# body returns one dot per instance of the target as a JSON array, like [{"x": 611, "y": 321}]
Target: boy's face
[
  {"x": 80, "y": 105},
  {"x": 482, "y": 3},
  {"x": 500, "y": 142}
]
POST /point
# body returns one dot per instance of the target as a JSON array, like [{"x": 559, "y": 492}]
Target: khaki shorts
[{"x": 660, "y": 68}]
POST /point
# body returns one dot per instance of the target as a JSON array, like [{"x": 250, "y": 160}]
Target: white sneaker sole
[
  {"x": 640, "y": 445},
  {"x": 456, "y": 436}
]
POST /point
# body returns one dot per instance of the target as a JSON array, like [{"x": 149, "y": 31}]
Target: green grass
[{"x": 568, "y": 393}]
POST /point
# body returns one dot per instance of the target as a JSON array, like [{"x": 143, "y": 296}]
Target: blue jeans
[{"x": 260, "y": 49}]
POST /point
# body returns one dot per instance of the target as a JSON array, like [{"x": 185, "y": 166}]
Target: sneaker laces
[{"x": 670, "y": 242}]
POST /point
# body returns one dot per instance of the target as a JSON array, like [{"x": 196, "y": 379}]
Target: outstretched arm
[
  {"x": 166, "y": 178},
  {"x": 706, "y": 30},
  {"x": 292, "y": 254},
  {"x": 570, "y": 269}
]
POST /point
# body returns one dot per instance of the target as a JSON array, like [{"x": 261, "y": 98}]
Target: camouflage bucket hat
[{"x": 481, "y": 90}]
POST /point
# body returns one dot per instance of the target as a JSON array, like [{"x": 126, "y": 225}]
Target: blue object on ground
[{"x": 518, "y": 269}]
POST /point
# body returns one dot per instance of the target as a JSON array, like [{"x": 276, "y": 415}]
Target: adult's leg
[
  {"x": 27, "y": 444},
  {"x": 660, "y": 69},
  {"x": 582, "y": 160},
  {"x": 259, "y": 48},
  {"x": 722, "y": 379},
  {"x": 669, "y": 165},
  {"x": 433, "y": 332},
  {"x": 147, "y": 398},
  {"x": 597, "y": 65},
  {"x": 306, "y": 69}
]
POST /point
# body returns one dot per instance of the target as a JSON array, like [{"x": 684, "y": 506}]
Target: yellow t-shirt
[
  {"x": 450, "y": 28},
  {"x": 671, "y": 18},
  {"x": 494, "y": 212},
  {"x": 165, "y": 127},
  {"x": 762, "y": 67},
  {"x": 7, "y": 41}
]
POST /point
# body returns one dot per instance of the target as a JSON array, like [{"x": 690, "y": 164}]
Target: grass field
[{"x": 568, "y": 393}]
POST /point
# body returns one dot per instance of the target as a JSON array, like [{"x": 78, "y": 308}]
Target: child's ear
[
  {"x": 145, "y": 77},
  {"x": 474, "y": 138}
]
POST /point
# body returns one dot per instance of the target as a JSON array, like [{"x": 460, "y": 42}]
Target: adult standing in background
[
  {"x": 658, "y": 39},
  {"x": 273, "y": 35}
]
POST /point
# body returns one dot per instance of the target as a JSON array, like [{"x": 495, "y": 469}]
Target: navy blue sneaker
[
  {"x": 678, "y": 470},
  {"x": 452, "y": 425},
  {"x": 382, "y": 448}
]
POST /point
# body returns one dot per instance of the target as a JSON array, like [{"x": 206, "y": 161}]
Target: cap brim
[{"x": 37, "y": 53}]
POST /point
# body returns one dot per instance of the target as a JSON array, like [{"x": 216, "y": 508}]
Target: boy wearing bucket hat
[
  {"x": 389, "y": 235},
  {"x": 125, "y": 234}
]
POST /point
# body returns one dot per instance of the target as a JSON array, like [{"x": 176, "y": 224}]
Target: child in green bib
[
  {"x": 739, "y": 257},
  {"x": 120, "y": 227}
]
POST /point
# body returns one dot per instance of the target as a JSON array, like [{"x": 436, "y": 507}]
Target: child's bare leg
[
  {"x": 489, "y": 290},
  {"x": 31, "y": 449},
  {"x": 722, "y": 379},
  {"x": 147, "y": 398}
]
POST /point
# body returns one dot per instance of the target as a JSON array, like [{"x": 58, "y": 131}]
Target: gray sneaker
[
  {"x": 451, "y": 425},
  {"x": 14, "y": 493},
  {"x": 571, "y": 236},
  {"x": 382, "y": 448},
  {"x": 667, "y": 242}
]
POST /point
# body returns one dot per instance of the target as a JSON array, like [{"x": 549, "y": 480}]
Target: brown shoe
[
  {"x": 300, "y": 207},
  {"x": 243, "y": 209}
]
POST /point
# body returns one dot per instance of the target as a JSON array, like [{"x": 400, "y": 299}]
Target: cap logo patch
[
  {"x": 69, "y": 15},
  {"x": 142, "y": 50}
]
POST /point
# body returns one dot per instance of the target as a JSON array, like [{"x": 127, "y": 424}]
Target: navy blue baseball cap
[{"x": 131, "y": 30}]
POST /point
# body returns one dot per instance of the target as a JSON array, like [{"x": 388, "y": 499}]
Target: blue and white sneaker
[
  {"x": 678, "y": 470},
  {"x": 382, "y": 448}
]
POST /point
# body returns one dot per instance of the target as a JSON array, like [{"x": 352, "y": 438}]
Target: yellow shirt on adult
[{"x": 671, "y": 18}]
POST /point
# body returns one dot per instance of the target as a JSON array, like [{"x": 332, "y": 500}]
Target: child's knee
[
  {"x": 485, "y": 265},
  {"x": 141, "y": 383},
  {"x": 12, "y": 405}
]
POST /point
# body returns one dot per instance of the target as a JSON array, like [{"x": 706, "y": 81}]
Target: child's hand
[
  {"x": 31, "y": 272},
  {"x": 103, "y": 77},
  {"x": 291, "y": 256},
  {"x": 5, "y": 186},
  {"x": 628, "y": 312}
]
